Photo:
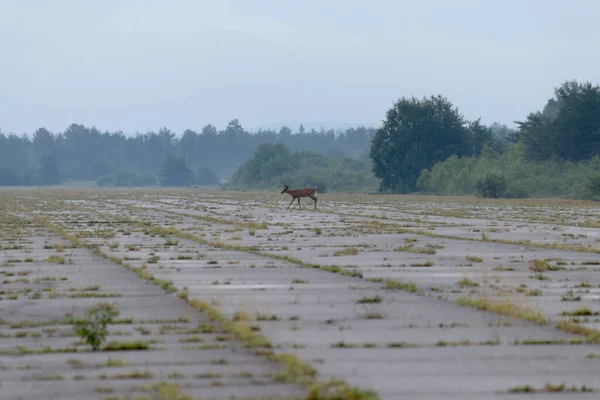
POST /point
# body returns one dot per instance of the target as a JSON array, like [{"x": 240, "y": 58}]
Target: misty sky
[{"x": 136, "y": 65}]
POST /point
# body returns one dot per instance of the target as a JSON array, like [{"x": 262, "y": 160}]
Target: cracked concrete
[{"x": 420, "y": 346}]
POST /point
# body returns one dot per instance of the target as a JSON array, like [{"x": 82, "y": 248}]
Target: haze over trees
[
  {"x": 424, "y": 145},
  {"x": 83, "y": 153}
]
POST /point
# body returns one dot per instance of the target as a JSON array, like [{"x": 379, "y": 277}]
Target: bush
[
  {"x": 92, "y": 327},
  {"x": 460, "y": 175},
  {"x": 492, "y": 186},
  {"x": 589, "y": 189}
]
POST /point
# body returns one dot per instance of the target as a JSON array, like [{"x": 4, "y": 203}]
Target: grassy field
[{"x": 225, "y": 294}]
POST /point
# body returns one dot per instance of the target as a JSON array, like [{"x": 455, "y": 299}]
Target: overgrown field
[{"x": 222, "y": 294}]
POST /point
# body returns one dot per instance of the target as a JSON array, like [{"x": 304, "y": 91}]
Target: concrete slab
[{"x": 400, "y": 344}]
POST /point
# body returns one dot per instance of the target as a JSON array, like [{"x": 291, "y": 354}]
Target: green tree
[
  {"x": 48, "y": 173},
  {"x": 568, "y": 128},
  {"x": 175, "y": 172},
  {"x": 207, "y": 176},
  {"x": 269, "y": 160},
  {"x": 8, "y": 177},
  {"x": 44, "y": 143},
  {"x": 481, "y": 135},
  {"x": 415, "y": 135}
]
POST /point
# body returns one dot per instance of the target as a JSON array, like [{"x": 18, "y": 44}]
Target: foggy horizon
[{"x": 141, "y": 65}]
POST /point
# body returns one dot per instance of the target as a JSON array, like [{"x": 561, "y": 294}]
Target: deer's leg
[
  {"x": 315, "y": 200},
  {"x": 291, "y": 203},
  {"x": 299, "y": 202}
]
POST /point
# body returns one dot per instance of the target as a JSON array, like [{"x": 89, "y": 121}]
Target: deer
[{"x": 300, "y": 193}]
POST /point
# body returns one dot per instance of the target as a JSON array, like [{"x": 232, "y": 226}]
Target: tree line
[
  {"x": 423, "y": 145},
  {"x": 426, "y": 145},
  {"x": 112, "y": 158}
]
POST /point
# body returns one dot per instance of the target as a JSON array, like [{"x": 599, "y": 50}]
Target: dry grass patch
[{"x": 348, "y": 251}]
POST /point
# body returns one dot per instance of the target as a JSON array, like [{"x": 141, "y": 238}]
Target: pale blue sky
[{"x": 139, "y": 65}]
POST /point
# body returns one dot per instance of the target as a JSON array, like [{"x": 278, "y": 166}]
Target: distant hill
[{"x": 316, "y": 125}]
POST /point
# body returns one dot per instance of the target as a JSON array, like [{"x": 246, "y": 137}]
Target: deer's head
[{"x": 285, "y": 188}]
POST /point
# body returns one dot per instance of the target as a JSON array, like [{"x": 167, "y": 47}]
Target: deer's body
[{"x": 300, "y": 193}]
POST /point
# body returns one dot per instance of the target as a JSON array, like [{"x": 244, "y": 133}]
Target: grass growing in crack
[
  {"x": 505, "y": 308},
  {"x": 191, "y": 339},
  {"x": 50, "y": 377},
  {"x": 442, "y": 343},
  {"x": 266, "y": 317},
  {"x": 294, "y": 370},
  {"x": 238, "y": 327},
  {"x": 366, "y": 300},
  {"x": 55, "y": 259},
  {"x": 391, "y": 284},
  {"x": 348, "y": 251},
  {"x": 160, "y": 391},
  {"x": 121, "y": 346},
  {"x": 176, "y": 375},
  {"x": 142, "y": 273},
  {"x": 19, "y": 350},
  {"x": 503, "y": 268},
  {"x": 591, "y": 335},
  {"x": 338, "y": 390},
  {"x": 550, "y": 388},
  {"x": 570, "y": 296},
  {"x": 540, "y": 266},
  {"x": 425, "y": 264},
  {"x": 466, "y": 282},
  {"x": 114, "y": 362},
  {"x": 343, "y": 345},
  {"x": 580, "y": 312},
  {"x": 419, "y": 250},
  {"x": 135, "y": 374},
  {"x": 399, "y": 345}
]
